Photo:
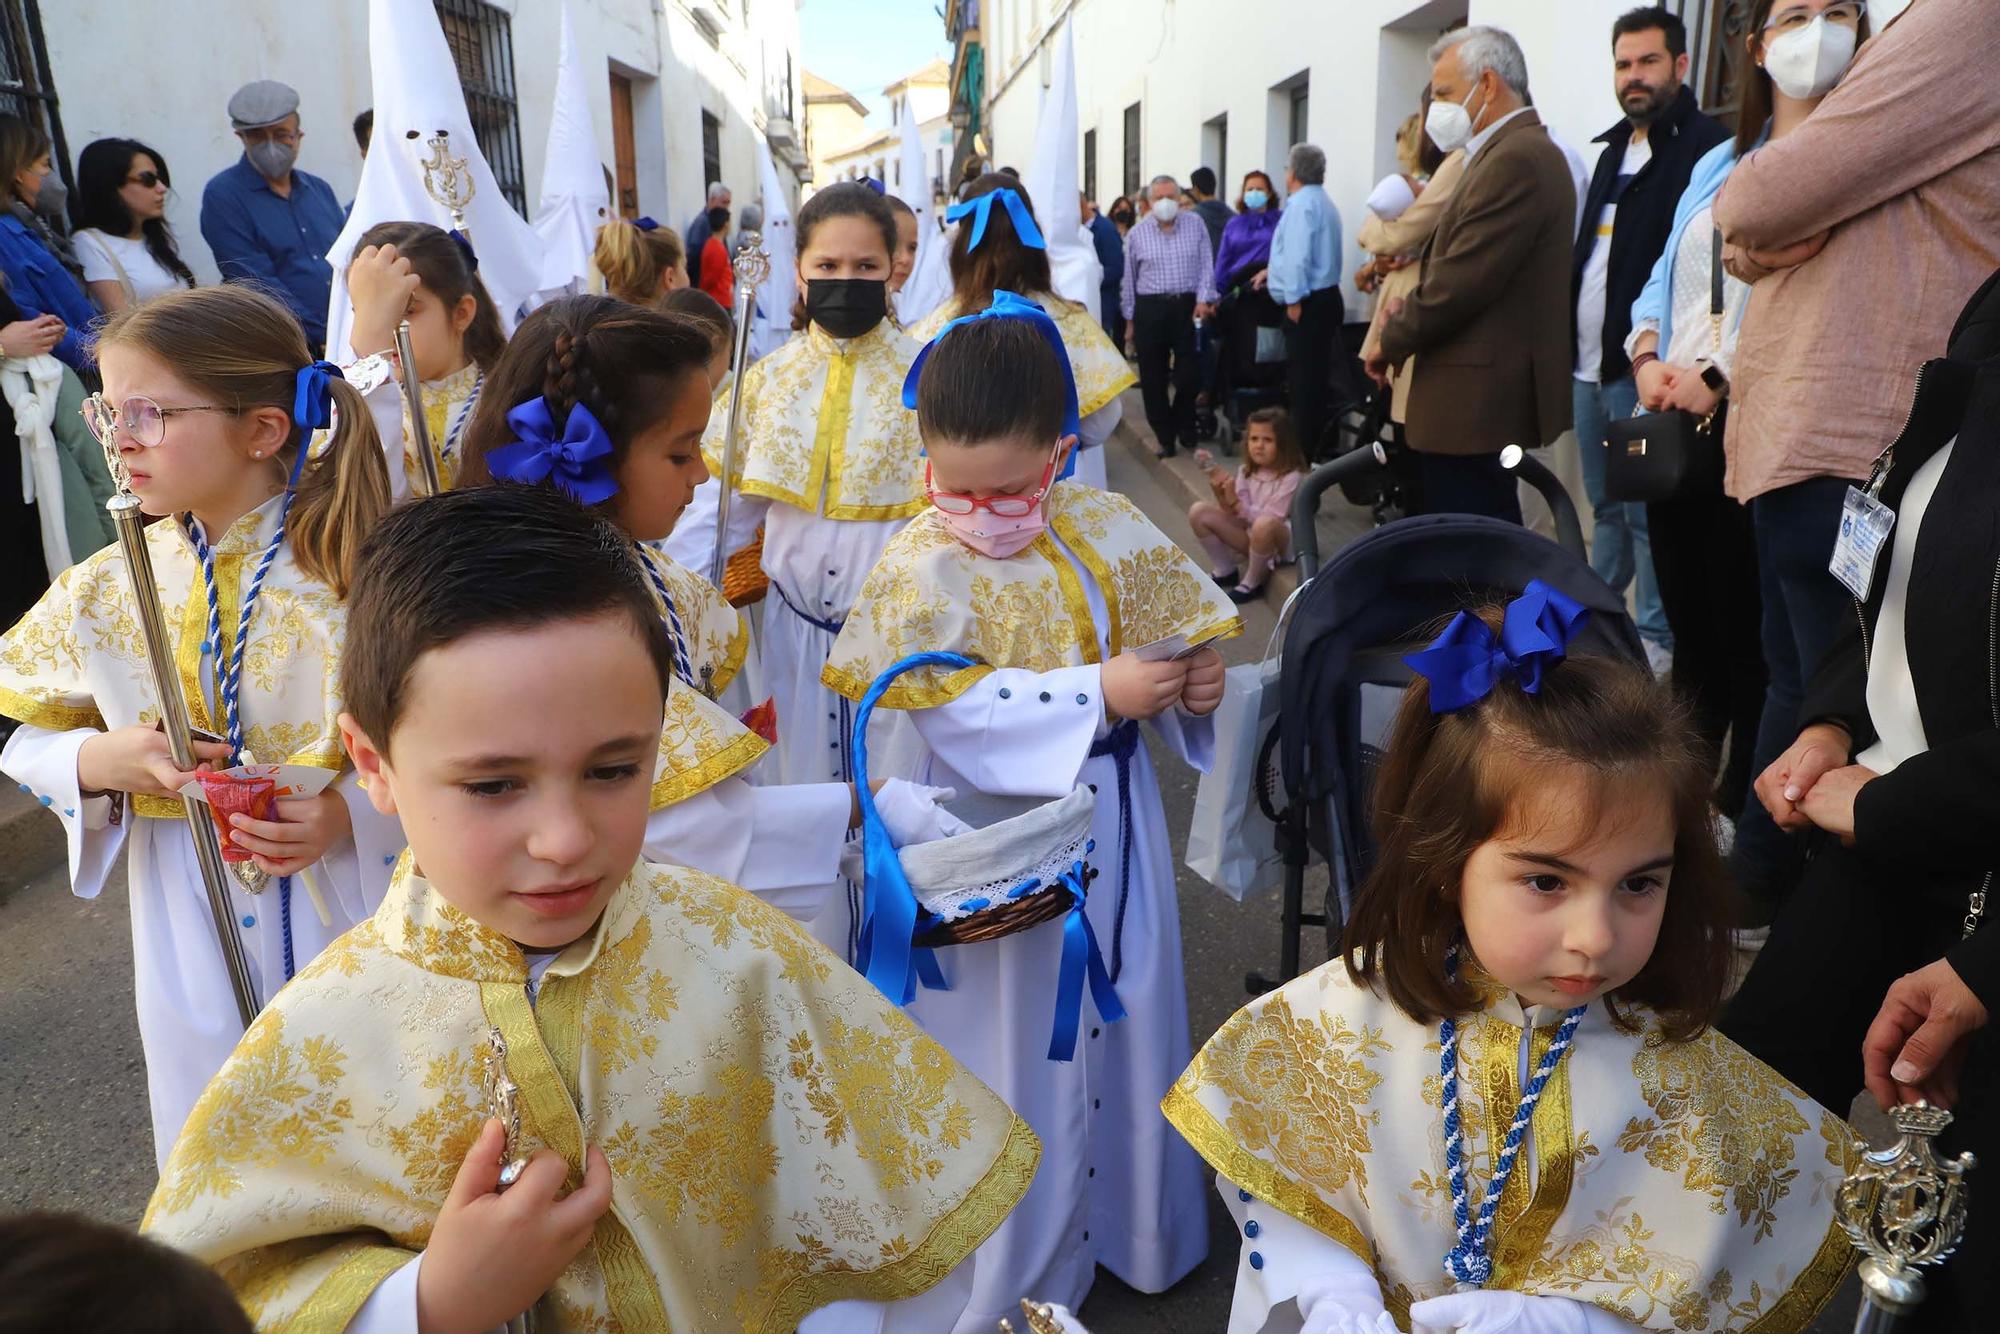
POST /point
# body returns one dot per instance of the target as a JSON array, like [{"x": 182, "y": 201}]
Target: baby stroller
[
  {"x": 1341, "y": 672},
  {"x": 1252, "y": 371}
]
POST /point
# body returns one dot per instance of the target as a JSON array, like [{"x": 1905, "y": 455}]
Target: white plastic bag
[{"x": 1230, "y": 842}]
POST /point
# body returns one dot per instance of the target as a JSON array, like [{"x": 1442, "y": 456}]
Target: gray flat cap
[{"x": 265, "y": 102}]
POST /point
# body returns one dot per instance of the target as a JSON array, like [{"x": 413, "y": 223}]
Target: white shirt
[
  {"x": 102, "y": 255},
  {"x": 1892, "y": 691},
  {"x": 1590, "y": 298},
  {"x": 1579, "y": 174},
  {"x": 1478, "y": 141}
]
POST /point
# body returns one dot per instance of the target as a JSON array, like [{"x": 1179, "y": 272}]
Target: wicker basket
[
  {"x": 743, "y": 579},
  {"x": 1044, "y": 905}
]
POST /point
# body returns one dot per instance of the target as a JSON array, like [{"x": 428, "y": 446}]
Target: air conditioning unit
[
  {"x": 709, "y": 16},
  {"x": 780, "y": 133}
]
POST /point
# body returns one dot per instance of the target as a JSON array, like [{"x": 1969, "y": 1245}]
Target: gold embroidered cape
[
  {"x": 77, "y": 658},
  {"x": 1681, "y": 1186},
  {"x": 701, "y": 743},
  {"x": 1100, "y": 369},
  {"x": 445, "y": 413},
  {"x": 779, "y": 1135},
  {"x": 932, "y": 592},
  {"x": 825, "y": 429}
]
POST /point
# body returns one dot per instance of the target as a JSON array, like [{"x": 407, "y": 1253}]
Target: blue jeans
[
  {"x": 1806, "y": 610},
  {"x": 1620, "y": 550}
]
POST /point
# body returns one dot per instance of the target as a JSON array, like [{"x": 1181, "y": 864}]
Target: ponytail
[
  {"x": 633, "y": 258},
  {"x": 342, "y": 491}
]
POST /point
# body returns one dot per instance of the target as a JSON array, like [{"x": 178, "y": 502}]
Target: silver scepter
[
  {"x": 448, "y": 180},
  {"x": 753, "y": 265},
  {"x": 1902, "y": 1208},
  {"x": 125, "y": 513},
  {"x": 413, "y": 403}
]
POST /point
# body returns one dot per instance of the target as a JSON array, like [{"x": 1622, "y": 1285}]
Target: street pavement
[{"x": 73, "y": 1114}]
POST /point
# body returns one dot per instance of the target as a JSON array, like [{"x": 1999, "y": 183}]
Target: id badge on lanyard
[{"x": 1865, "y": 525}]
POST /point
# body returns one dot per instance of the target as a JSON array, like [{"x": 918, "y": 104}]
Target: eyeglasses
[
  {"x": 1794, "y": 19},
  {"x": 142, "y": 421},
  {"x": 1007, "y": 507},
  {"x": 149, "y": 179}
]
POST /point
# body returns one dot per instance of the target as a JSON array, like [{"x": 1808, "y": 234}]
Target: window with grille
[
  {"x": 27, "y": 88},
  {"x": 1301, "y": 102},
  {"x": 711, "y": 151},
  {"x": 1090, "y": 164},
  {"x": 1132, "y": 149},
  {"x": 481, "y": 39}
]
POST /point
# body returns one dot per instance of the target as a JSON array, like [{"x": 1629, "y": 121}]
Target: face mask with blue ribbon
[
  {"x": 980, "y": 210},
  {"x": 1009, "y": 306},
  {"x": 577, "y": 459},
  {"x": 1467, "y": 661}
]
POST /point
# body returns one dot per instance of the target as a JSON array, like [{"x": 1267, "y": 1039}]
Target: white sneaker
[
  {"x": 1659, "y": 657},
  {"x": 1751, "y": 939}
]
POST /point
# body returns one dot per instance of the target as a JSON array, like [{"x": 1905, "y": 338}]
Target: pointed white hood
[
  {"x": 575, "y": 202},
  {"x": 771, "y": 321},
  {"x": 929, "y": 283},
  {"x": 416, "y": 94},
  {"x": 1054, "y": 183}
]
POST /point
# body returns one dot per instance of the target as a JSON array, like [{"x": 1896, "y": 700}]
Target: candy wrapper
[
  {"x": 236, "y": 793},
  {"x": 763, "y": 720}
]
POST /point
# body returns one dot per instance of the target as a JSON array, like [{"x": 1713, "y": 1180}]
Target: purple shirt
[
  {"x": 1245, "y": 241},
  {"x": 1159, "y": 262}
]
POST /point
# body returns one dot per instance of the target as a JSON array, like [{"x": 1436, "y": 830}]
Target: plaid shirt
[{"x": 1168, "y": 263}]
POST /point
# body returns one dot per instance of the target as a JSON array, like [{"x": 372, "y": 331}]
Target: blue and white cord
[
  {"x": 1468, "y": 1263},
  {"x": 682, "y": 668}
]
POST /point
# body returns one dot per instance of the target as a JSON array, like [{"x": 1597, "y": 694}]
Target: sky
[{"x": 864, "y": 45}]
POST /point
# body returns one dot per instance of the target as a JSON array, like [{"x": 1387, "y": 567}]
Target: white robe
[
  {"x": 188, "y": 1022},
  {"x": 1117, "y": 1186}
]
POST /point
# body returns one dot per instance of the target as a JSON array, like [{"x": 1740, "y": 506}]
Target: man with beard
[{"x": 1627, "y": 215}]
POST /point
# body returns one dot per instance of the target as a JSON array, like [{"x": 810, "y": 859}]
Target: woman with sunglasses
[{"x": 122, "y": 236}]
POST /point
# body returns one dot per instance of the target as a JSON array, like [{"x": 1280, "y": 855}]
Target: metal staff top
[
  {"x": 752, "y": 265},
  {"x": 1903, "y": 1208},
  {"x": 448, "y": 181}
]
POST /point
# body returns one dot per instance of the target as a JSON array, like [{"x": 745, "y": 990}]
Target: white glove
[
  {"x": 912, "y": 814},
  {"x": 1327, "y": 1319},
  {"x": 1492, "y": 1312}
]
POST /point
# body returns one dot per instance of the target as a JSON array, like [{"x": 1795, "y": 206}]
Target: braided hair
[{"x": 627, "y": 364}]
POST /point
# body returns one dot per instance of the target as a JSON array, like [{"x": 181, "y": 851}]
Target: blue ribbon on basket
[
  {"x": 1081, "y": 960},
  {"x": 578, "y": 460},
  {"x": 1465, "y": 662},
  {"x": 888, "y": 956},
  {"x": 1010, "y": 306},
  {"x": 981, "y": 209}
]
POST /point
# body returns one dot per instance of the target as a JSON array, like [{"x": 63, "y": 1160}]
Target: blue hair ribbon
[
  {"x": 312, "y": 395},
  {"x": 1466, "y": 662},
  {"x": 465, "y": 248},
  {"x": 645, "y": 224},
  {"x": 578, "y": 460},
  {"x": 1010, "y": 306},
  {"x": 981, "y": 209}
]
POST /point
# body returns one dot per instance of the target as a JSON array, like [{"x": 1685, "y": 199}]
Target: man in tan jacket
[{"x": 1490, "y": 321}]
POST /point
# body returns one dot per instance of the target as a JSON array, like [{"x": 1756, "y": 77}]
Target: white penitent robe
[
  {"x": 1669, "y": 1185},
  {"x": 75, "y": 666},
  {"x": 1115, "y": 1188}
]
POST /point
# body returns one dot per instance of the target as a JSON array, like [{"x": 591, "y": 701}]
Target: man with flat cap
[{"x": 267, "y": 223}]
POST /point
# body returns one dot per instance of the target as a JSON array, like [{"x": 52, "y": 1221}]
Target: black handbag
[{"x": 1670, "y": 455}]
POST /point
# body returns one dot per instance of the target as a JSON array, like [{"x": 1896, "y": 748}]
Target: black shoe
[
  {"x": 1240, "y": 595},
  {"x": 1229, "y": 580},
  {"x": 1164, "y": 454}
]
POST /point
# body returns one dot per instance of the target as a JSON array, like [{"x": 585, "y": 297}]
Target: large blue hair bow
[
  {"x": 1465, "y": 662},
  {"x": 1010, "y": 306},
  {"x": 981, "y": 209},
  {"x": 578, "y": 461},
  {"x": 312, "y": 395}
]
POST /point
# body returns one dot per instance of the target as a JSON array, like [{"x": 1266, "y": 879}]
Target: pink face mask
[{"x": 992, "y": 525}]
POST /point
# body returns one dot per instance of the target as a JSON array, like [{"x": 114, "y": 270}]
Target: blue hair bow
[
  {"x": 980, "y": 209},
  {"x": 465, "y": 248},
  {"x": 1465, "y": 662},
  {"x": 578, "y": 460},
  {"x": 312, "y": 396},
  {"x": 1010, "y": 306},
  {"x": 645, "y": 224}
]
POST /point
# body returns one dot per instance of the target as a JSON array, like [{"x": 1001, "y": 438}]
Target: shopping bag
[{"x": 1231, "y": 843}]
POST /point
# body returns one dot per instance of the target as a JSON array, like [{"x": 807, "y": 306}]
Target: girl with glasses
[
  {"x": 219, "y": 418},
  {"x": 122, "y": 236}
]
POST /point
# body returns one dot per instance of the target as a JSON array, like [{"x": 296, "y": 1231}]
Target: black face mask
[{"x": 847, "y": 307}]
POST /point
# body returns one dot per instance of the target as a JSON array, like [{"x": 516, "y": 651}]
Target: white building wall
[{"x": 162, "y": 71}]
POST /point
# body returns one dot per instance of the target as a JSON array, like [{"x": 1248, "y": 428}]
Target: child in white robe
[
  {"x": 1503, "y": 1109},
  {"x": 1050, "y": 587},
  {"x": 608, "y": 401},
  {"x": 211, "y": 401}
]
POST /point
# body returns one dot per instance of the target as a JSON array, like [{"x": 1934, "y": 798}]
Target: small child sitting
[{"x": 1251, "y": 515}]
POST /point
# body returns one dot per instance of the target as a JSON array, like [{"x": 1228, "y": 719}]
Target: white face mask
[
  {"x": 1807, "y": 63},
  {"x": 1449, "y": 124},
  {"x": 1165, "y": 209}
]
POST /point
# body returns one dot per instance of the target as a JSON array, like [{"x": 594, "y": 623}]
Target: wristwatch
[{"x": 1712, "y": 376}]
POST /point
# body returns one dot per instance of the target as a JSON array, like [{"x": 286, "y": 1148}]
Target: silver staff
[
  {"x": 1902, "y": 1208},
  {"x": 413, "y": 403},
  {"x": 752, "y": 266},
  {"x": 448, "y": 181},
  {"x": 124, "y": 509}
]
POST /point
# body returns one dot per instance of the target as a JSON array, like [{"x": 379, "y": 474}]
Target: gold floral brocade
[
  {"x": 1097, "y": 364},
  {"x": 701, "y": 743},
  {"x": 1679, "y": 1186},
  {"x": 824, "y": 428},
  {"x": 779, "y": 1136},
  {"x": 930, "y": 592}
]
